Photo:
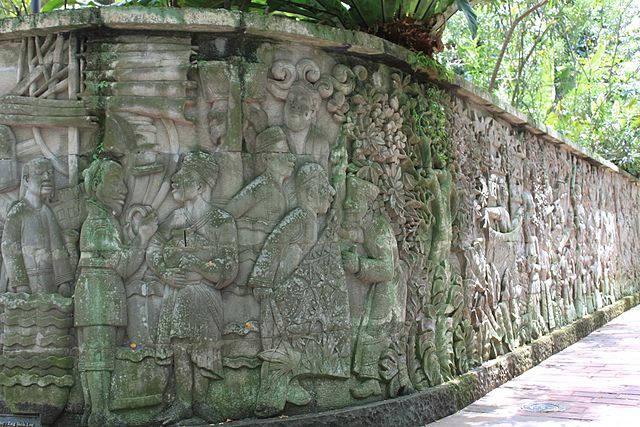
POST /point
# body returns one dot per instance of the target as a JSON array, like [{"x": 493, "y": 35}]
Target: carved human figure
[
  {"x": 195, "y": 254},
  {"x": 439, "y": 181},
  {"x": 35, "y": 255},
  {"x": 299, "y": 281},
  {"x": 260, "y": 205},
  {"x": 373, "y": 259},
  {"x": 100, "y": 313},
  {"x": 300, "y": 110}
]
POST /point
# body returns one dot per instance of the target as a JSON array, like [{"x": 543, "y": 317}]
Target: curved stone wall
[{"x": 212, "y": 216}]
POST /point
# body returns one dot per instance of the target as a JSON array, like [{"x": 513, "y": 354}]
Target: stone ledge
[{"x": 438, "y": 402}]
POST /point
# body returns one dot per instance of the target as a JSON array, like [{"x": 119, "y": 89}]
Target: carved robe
[
  {"x": 34, "y": 250},
  {"x": 193, "y": 313},
  {"x": 380, "y": 269},
  {"x": 307, "y": 316}
]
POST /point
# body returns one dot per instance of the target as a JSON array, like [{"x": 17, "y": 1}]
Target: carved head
[
  {"x": 360, "y": 197},
  {"x": 104, "y": 181},
  {"x": 198, "y": 175},
  {"x": 37, "y": 177},
  {"x": 301, "y": 106},
  {"x": 313, "y": 189}
]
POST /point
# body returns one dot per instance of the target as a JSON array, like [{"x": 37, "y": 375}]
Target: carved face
[
  {"x": 39, "y": 180},
  {"x": 185, "y": 185},
  {"x": 319, "y": 194},
  {"x": 112, "y": 191},
  {"x": 281, "y": 164},
  {"x": 299, "y": 109}
]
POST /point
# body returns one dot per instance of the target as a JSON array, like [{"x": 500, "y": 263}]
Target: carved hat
[
  {"x": 272, "y": 140},
  {"x": 94, "y": 174},
  {"x": 203, "y": 164},
  {"x": 361, "y": 191}
]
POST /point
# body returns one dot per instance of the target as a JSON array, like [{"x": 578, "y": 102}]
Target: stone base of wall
[{"x": 438, "y": 402}]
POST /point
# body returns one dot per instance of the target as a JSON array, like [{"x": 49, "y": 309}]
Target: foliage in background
[
  {"x": 572, "y": 64},
  {"x": 14, "y": 7}
]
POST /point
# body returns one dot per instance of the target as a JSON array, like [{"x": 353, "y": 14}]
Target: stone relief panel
[
  {"x": 45, "y": 136},
  {"x": 197, "y": 228}
]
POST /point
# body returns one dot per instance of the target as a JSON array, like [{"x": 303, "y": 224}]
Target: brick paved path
[{"x": 595, "y": 382}]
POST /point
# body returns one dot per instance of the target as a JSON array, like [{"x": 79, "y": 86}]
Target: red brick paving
[{"x": 596, "y": 380}]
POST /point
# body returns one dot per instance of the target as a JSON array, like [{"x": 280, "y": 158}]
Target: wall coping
[{"x": 195, "y": 20}]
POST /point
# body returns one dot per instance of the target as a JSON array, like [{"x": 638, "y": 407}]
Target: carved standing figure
[
  {"x": 260, "y": 205},
  {"x": 373, "y": 259},
  {"x": 100, "y": 301},
  {"x": 195, "y": 254},
  {"x": 35, "y": 255},
  {"x": 299, "y": 281}
]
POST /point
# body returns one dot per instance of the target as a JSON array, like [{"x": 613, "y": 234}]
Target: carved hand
[
  {"x": 262, "y": 294},
  {"x": 148, "y": 226},
  {"x": 176, "y": 278},
  {"x": 190, "y": 262},
  {"x": 65, "y": 290},
  {"x": 351, "y": 261}
]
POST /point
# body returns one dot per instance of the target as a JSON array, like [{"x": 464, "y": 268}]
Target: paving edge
[{"x": 446, "y": 399}]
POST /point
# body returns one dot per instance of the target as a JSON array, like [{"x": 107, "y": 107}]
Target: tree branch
[{"x": 507, "y": 40}]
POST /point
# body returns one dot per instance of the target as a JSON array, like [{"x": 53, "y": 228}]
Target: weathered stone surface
[{"x": 341, "y": 235}]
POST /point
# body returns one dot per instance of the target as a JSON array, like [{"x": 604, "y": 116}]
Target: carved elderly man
[
  {"x": 195, "y": 253},
  {"x": 373, "y": 259},
  {"x": 35, "y": 255},
  {"x": 100, "y": 301}
]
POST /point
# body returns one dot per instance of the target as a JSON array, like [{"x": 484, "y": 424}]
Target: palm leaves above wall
[{"x": 416, "y": 24}]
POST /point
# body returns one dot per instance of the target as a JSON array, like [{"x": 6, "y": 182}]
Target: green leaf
[
  {"x": 465, "y": 7},
  {"x": 56, "y": 4}
]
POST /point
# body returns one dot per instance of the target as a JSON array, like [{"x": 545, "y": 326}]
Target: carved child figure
[
  {"x": 100, "y": 301},
  {"x": 35, "y": 255},
  {"x": 374, "y": 261},
  {"x": 195, "y": 253}
]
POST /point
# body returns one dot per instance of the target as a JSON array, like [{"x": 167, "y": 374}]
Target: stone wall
[{"x": 211, "y": 216}]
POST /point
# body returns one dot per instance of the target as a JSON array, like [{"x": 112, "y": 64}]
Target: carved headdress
[{"x": 203, "y": 164}]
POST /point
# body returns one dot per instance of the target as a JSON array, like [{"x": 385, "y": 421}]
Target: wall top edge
[{"x": 225, "y": 21}]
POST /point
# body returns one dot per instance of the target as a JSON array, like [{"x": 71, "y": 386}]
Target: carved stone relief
[{"x": 268, "y": 229}]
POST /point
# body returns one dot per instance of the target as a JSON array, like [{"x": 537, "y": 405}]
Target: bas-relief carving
[
  {"x": 322, "y": 245},
  {"x": 195, "y": 254},
  {"x": 106, "y": 260}
]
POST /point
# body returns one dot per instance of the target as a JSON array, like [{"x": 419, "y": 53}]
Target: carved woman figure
[
  {"x": 300, "y": 282},
  {"x": 100, "y": 302},
  {"x": 195, "y": 254}
]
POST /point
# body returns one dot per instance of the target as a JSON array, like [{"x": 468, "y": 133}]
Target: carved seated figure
[
  {"x": 195, "y": 254},
  {"x": 35, "y": 255}
]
